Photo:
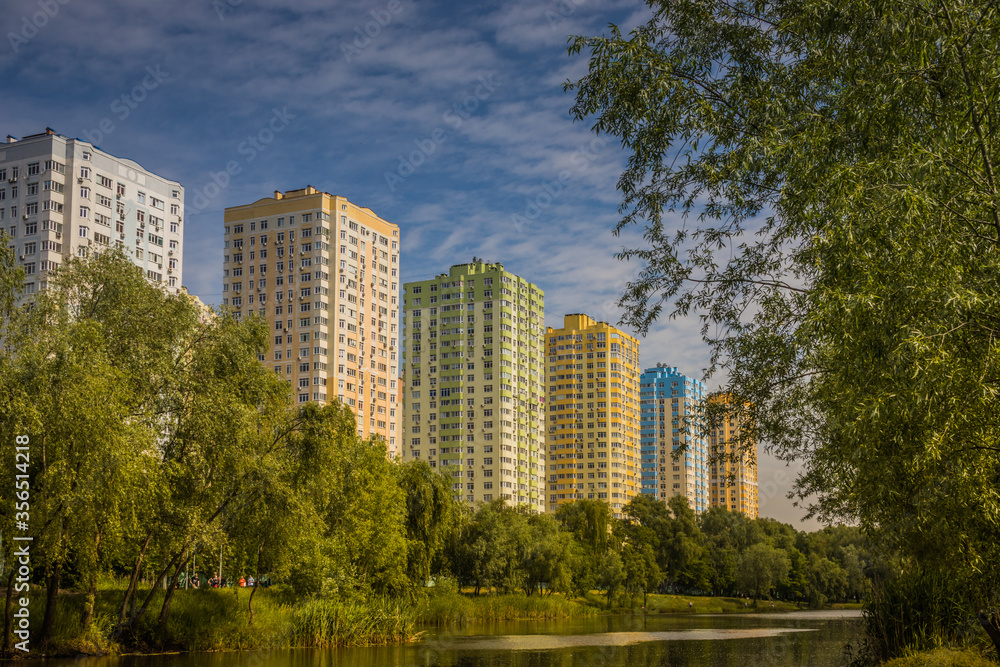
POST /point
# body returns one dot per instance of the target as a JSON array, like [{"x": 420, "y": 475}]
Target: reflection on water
[
  {"x": 548, "y": 642},
  {"x": 806, "y": 638}
]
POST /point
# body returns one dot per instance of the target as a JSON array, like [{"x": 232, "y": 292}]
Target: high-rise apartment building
[
  {"x": 62, "y": 197},
  {"x": 325, "y": 274},
  {"x": 733, "y": 476},
  {"x": 672, "y": 409},
  {"x": 474, "y": 382},
  {"x": 593, "y": 410}
]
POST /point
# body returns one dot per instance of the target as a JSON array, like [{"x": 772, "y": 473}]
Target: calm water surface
[{"x": 800, "y": 638}]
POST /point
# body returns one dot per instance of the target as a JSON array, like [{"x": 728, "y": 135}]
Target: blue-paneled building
[{"x": 670, "y": 404}]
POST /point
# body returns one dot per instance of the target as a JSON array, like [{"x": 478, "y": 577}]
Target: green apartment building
[{"x": 473, "y": 378}]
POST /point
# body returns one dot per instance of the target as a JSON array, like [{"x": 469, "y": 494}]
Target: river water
[{"x": 814, "y": 638}]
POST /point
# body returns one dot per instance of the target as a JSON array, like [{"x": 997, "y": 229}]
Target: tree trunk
[
  {"x": 149, "y": 596},
  {"x": 8, "y": 615},
  {"x": 51, "y": 597},
  {"x": 130, "y": 590},
  {"x": 256, "y": 583},
  {"x": 171, "y": 587},
  {"x": 88, "y": 605},
  {"x": 991, "y": 623}
]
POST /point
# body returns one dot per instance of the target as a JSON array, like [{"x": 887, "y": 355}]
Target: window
[
  {"x": 140, "y": 197},
  {"x": 84, "y": 172}
]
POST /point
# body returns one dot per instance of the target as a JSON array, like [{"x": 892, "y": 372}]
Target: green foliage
[
  {"x": 430, "y": 517},
  {"x": 910, "y": 610},
  {"x": 761, "y": 568}
]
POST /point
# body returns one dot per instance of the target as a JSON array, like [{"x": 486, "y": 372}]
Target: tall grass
[
  {"x": 325, "y": 623},
  {"x": 446, "y": 605},
  {"x": 915, "y": 612}
]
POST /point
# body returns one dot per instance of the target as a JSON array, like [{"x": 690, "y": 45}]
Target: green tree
[
  {"x": 640, "y": 572},
  {"x": 95, "y": 372},
  {"x": 589, "y": 520},
  {"x": 761, "y": 568},
  {"x": 839, "y": 163},
  {"x": 430, "y": 512},
  {"x": 494, "y": 548},
  {"x": 547, "y": 556},
  {"x": 291, "y": 488},
  {"x": 610, "y": 573},
  {"x": 685, "y": 553},
  {"x": 825, "y": 580}
]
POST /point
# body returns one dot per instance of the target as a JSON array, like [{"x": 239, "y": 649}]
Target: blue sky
[{"x": 446, "y": 118}]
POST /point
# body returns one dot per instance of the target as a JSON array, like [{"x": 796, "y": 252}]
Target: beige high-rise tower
[
  {"x": 733, "y": 478},
  {"x": 592, "y": 432},
  {"x": 324, "y": 272}
]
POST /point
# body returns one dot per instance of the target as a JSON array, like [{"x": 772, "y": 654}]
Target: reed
[
  {"x": 327, "y": 623},
  {"x": 451, "y": 607}
]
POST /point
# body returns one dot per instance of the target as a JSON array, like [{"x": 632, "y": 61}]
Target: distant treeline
[{"x": 655, "y": 547}]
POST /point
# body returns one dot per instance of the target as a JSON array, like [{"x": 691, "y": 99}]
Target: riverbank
[{"x": 219, "y": 619}]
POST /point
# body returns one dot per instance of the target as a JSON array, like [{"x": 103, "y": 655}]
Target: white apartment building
[{"x": 62, "y": 197}]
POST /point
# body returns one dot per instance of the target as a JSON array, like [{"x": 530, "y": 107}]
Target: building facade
[
  {"x": 324, "y": 272},
  {"x": 672, "y": 405},
  {"x": 733, "y": 475},
  {"x": 473, "y": 382},
  {"x": 62, "y": 197},
  {"x": 593, "y": 413}
]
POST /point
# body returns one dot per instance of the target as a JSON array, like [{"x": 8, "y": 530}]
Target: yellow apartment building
[
  {"x": 733, "y": 475},
  {"x": 592, "y": 433}
]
